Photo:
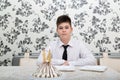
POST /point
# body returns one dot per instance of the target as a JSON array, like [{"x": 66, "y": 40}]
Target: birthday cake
[{"x": 46, "y": 69}]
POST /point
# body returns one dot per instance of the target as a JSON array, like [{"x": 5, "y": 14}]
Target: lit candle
[
  {"x": 44, "y": 56},
  {"x": 49, "y": 56}
]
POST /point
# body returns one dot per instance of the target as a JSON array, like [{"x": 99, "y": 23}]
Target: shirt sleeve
[
  {"x": 83, "y": 61},
  {"x": 57, "y": 61},
  {"x": 40, "y": 59},
  {"x": 85, "y": 58}
]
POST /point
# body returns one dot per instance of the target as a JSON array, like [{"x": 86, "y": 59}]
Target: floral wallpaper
[{"x": 31, "y": 24}]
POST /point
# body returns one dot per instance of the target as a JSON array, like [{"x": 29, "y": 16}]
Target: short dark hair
[{"x": 63, "y": 18}]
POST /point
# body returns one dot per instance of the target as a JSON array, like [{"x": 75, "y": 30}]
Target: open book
[
  {"x": 93, "y": 68},
  {"x": 66, "y": 68}
]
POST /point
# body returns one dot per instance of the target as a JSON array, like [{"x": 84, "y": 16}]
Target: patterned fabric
[{"x": 30, "y": 24}]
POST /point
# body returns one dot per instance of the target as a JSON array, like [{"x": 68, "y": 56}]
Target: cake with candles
[{"x": 46, "y": 69}]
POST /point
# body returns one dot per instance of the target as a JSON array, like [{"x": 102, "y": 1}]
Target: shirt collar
[{"x": 60, "y": 43}]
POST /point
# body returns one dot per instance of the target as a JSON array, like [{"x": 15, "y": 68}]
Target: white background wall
[{"x": 31, "y": 24}]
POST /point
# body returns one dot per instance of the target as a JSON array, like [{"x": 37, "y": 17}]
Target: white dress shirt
[{"x": 77, "y": 53}]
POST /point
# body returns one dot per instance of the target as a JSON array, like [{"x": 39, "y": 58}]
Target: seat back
[
  {"x": 20, "y": 59},
  {"x": 111, "y": 61}
]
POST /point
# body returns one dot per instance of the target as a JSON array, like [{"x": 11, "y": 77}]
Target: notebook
[{"x": 93, "y": 68}]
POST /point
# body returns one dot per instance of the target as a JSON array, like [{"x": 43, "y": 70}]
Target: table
[{"x": 25, "y": 72}]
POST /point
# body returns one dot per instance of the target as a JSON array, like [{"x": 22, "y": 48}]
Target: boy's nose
[{"x": 64, "y": 30}]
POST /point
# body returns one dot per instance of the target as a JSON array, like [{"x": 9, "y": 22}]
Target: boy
[{"x": 66, "y": 50}]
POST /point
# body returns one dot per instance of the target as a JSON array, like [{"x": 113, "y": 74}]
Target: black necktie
[{"x": 65, "y": 52}]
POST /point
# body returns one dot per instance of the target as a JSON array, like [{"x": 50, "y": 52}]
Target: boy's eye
[
  {"x": 60, "y": 27},
  {"x": 66, "y": 27}
]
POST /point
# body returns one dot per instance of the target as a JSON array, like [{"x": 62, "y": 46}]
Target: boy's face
[{"x": 64, "y": 30}]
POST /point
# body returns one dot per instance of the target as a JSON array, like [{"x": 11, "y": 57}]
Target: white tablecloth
[{"x": 25, "y": 72}]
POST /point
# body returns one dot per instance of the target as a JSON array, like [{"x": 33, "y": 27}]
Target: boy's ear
[{"x": 71, "y": 29}]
